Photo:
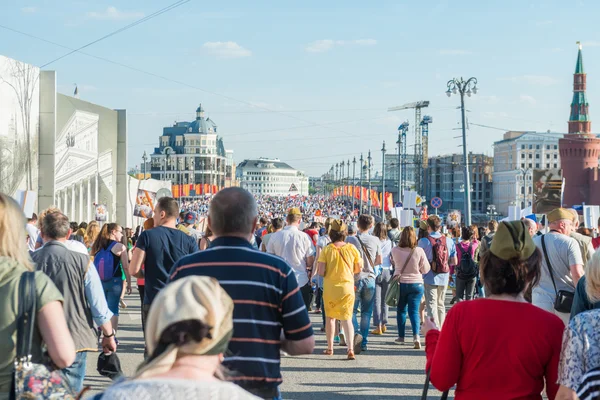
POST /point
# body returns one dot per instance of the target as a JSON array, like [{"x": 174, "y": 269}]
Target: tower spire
[{"x": 579, "y": 120}]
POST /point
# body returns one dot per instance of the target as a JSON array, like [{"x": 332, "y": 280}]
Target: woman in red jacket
[{"x": 500, "y": 347}]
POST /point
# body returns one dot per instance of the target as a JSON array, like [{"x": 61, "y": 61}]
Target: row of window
[
  {"x": 537, "y": 165},
  {"x": 278, "y": 173},
  {"x": 537, "y": 156},
  {"x": 537, "y": 147}
]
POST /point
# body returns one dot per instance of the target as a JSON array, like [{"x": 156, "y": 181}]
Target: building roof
[
  {"x": 264, "y": 163},
  {"x": 529, "y": 135},
  {"x": 579, "y": 65}
]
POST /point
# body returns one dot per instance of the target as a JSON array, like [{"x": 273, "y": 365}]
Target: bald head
[
  {"x": 233, "y": 212},
  {"x": 531, "y": 226}
]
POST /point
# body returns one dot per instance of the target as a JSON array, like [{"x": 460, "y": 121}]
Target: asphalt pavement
[{"x": 385, "y": 371}]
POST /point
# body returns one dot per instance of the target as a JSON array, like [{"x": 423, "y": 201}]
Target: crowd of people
[{"x": 222, "y": 304}]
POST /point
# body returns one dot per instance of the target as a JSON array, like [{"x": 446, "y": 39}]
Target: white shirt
[
  {"x": 33, "y": 233},
  {"x": 294, "y": 246}
]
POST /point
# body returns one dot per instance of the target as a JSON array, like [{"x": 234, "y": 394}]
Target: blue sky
[{"x": 310, "y": 82}]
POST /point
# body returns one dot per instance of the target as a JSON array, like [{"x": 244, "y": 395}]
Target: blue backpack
[{"x": 106, "y": 263}]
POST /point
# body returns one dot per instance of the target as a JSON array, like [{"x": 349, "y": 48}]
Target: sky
[{"x": 310, "y": 82}]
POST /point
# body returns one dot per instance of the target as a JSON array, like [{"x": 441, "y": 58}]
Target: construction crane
[
  {"x": 418, "y": 105},
  {"x": 402, "y": 129},
  {"x": 425, "y": 149}
]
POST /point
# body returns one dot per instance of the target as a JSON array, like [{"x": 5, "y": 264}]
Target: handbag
[
  {"x": 564, "y": 298},
  {"x": 32, "y": 380},
  {"x": 393, "y": 294},
  {"x": 426, "y": 389}
]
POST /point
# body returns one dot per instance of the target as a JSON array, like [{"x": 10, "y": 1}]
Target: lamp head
[{"x": 448, "y": 93}]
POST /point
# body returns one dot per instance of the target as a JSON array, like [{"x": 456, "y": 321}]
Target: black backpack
[{"x": 467, "y": 269}]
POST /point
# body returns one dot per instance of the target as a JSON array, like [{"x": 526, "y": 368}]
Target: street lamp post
[
  {"x": 462, "y": 87},
  {"x": 360, "y": 183},
  {"x": 383, "y": 181},
  {"x": 144, "y": 158},
  {"x": 342, "y": 177},
  {"x": 492, "y": 211},
  {"x": 369, "y": 178},
  {"x": 353, "y": 183}
]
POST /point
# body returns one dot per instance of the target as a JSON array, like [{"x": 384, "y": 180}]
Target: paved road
[{"x": 386, "y": 371}]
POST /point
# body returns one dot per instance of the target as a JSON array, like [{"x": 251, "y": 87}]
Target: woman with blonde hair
[
  {"x": 410, "y": 263},
  {"x": 92, "y": 232},
  {"x": 51, "y": 327},
  {"x": 581, "y": 341},
  {"x": 338, "y": 263}
]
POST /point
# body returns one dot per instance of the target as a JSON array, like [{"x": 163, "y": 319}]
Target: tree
[{"x": 23, "y": 79}]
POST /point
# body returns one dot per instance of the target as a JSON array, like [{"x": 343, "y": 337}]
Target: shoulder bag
[
  {"x": 31, "y": 380},
  {"x": 564, "y": 298},
  {"x": 393, "y": 294},
  {"x": 366, "y": 251}
]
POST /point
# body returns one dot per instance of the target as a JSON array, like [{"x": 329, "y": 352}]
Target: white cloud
[
  {"x": 323, "y": 45},
  {"x": 525, "y": 98},
  {"x": 591, "y": 43},
  {"x": 544, "y": 23},
  {"x": 539, "y": 80},
  {"x": 29, "y": 10},
  {"x": 454, "y": 52},
  {"x": 226, "y": 49},
  {"x": 111, "y": 13}
]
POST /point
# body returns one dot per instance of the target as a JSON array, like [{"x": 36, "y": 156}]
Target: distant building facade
[
  {"x": 266, "y": 176},
  {"x": 193, "y": 153},
  {"x": 515, "y": 158},
  {"x": 445, "y": 179}
]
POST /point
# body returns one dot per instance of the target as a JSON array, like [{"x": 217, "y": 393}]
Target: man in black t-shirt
[{"x": 159, "y": 248}]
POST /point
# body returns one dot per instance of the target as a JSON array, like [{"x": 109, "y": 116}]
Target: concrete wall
[{"x": 47, "y": 139}]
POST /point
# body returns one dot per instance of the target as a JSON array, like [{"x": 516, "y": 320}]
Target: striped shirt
[{"x": 267, "y": 299}]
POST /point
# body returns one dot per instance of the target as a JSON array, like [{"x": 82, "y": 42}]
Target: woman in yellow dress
[{"x": 338, "y": 263}]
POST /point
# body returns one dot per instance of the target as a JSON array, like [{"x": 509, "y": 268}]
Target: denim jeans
[
  {"x": 365, "y": 297},
  {"x": 75, "y": 374},
  {"x": 380, "y": 309},
  {"x": 410, "y": 297}
]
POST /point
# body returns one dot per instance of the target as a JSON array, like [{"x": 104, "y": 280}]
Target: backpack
[
  {"x": 467, "y": 269},
  {"x": 395, "y": 237},
  {"x": 106, "y": 263},
  {"x": 439, "y": 251}
]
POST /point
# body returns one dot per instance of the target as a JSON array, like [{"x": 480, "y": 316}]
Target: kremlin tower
[{"x": 580, "y": 149}]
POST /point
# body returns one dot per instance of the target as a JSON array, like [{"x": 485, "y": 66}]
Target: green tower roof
[{"x": 579, "y": 65}]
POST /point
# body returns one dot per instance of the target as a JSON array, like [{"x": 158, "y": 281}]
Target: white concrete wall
[{"x": 47, "y": 139}]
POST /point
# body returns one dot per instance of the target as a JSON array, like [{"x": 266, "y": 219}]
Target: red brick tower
[{"x": 579, "y": 149}]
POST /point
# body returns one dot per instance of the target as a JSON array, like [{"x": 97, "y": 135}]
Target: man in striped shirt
[{"x": 269, "y": 313}]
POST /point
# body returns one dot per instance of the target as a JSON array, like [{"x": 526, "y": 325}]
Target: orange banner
[{"x": 389, "y": 202}]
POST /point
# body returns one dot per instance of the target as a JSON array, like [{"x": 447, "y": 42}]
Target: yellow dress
[{"x": 341, "y": 263}]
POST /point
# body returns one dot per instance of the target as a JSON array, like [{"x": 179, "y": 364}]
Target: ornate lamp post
[
  {"x": 462, "y": 87},
  {"x": 360, "y": 183},
  {"x": 383, "y": 181},
  {"x": 353, "y": 183},
  {"x": 369, "y": 179},
  {"x": 144, "y": 159}
]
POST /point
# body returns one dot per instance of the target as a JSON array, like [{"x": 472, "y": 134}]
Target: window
[
  {"x": 537, "y": 146},
  {"x": 547, "y": 156},
  {"x": 537, "y": 165},
  {"x": 522, "y": 165},
  {"x": 555, "y": 147},
  {"x": 522, "y": 156},
  {"x": 547, "y": 165},
  {"x": 537, "y": 156},
  {"x": 530, "y": 146},
  {"x": 530, "y": 165},
  {"x": 548, "y": 147},
  {"x": 530, "y": 155},
  {"x": 555, "y": 166},
  {"x": 555, "y": 156}
]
